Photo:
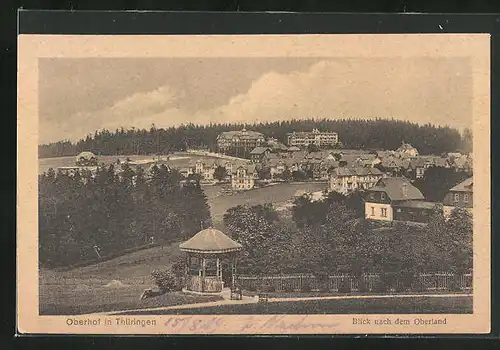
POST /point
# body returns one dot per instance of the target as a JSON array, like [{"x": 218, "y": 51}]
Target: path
[{"x": 252, "y": 300}]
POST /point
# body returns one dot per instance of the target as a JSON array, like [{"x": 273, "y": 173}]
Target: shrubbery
[{"x": 166, "y": 280}]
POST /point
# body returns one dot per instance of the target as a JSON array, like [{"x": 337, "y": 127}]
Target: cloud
[
  {"x": 138, "y": 110},
  {"x": 420, "y": 93}
]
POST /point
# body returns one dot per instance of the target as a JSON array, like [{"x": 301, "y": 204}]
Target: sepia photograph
[{"x": 266, "y": 182}]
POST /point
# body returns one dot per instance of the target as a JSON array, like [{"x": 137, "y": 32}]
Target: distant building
[
  {"x": 407, "y": 150},
  {"x": 394, "y": 166},
  {"x": 243, "y": 177},
  {"x": 72, "y": 170},
  {"x": 206, "y": 168},
  {"x": 395, "y": 198},
  {"x": 315, "y": 137},
  {"x": 418, "y": 165},
  {"x": 240, "y": 142},
  {"x": 258, "y": 153},
  {"x": 459, "y": 196},
  {"x": 86, "y": 159},
  {"x": 345, "y": 180}
]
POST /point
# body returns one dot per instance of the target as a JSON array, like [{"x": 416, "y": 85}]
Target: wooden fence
[{"x": 343, "y": 283}]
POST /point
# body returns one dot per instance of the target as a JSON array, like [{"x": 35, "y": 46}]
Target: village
[
  {"x": 384, "y": 177},
  {"x": 255, "y": 220}
]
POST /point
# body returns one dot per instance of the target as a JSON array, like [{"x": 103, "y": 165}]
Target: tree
[
  {"x": 220, "y": 173},
  {"x": 111, "y": 212},
  {"x": 264, "y": 173},
  {"x": 428, "y": 139},
  {"x": 286, "y": 175},
  {"x": 298, "y": 175},
  {"x": 312, "y": 148},
  {"x": 467, "y": 141},
  {"x": 437, "y": 181},
  {"x": 253, "y": 227}
]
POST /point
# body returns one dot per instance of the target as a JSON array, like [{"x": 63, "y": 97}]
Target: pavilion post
[
  {"x": 186, "y": 270},
  {"x": 203, "y": 274},
  {"x": 233, "y": 270}
]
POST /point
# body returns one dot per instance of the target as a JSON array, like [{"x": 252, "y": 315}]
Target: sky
[{"x": 78, "y": 96}]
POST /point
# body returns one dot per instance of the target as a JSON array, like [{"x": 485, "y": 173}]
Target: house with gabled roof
[
  {"x": 407, "y": 150},
  {"x": 345, "y": 179},
  {"x": 258, "y": 153},
  {"x": 459, "y": 196},
  {"x": 396, "y": 199},
  {"x": 418, "y": 165},
  {"x": 243, "y": 177}
]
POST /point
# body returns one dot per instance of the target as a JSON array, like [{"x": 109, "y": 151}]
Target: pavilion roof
[{"x": 210, "y": 241}]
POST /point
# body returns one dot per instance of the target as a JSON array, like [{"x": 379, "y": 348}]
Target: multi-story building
[
  {"x": 407, "y": 150},
  {"x": 239, "y": 143},
  {"x": 315, "y": 137},
  {"x": 395, "y": 198},
  {"x": 206, "y": 168},
  {"x": 243, "y": 177},
  {"x": 459, "y": 196},
  {"x": 258, "y": 154},
  {"x": 345, "y": 180}
]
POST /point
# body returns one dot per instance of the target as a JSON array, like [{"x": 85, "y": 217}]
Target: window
[
  {"x": 382, "y": 196},
  {"x": 456, "y": 198},
  {"x": 466, "y": 198},
  {"x": 383, "y": 212},
  {"x": 373, "y": 211}
]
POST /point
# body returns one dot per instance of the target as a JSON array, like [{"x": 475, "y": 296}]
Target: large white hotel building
[{"x": 314, "y": 137}]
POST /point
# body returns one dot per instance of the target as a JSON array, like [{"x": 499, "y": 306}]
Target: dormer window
[
  {"x": 456, "y": 198},
  {"x": 382, "y": 196},
  {"x": 405, "y": 190},
  {"x": 466, "y": 198}
]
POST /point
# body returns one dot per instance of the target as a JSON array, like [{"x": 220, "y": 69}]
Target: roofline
[{"x": 221, "y": 251}]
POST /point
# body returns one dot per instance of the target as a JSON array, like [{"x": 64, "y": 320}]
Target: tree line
[
  {"x": 327, "y": 237},
  {"x": 353, "y": 133},
  {"x": 83, "y": 216}
]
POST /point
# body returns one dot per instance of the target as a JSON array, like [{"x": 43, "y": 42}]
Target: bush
[
  {"x": 382, "y": 285},
  {"x": 306, "y": 286},
  {"x": 323, "y": 282},
  {"x": 454, "y": 286},
  {"x": 267, "y": 287},
  {"x": 363, "y": 285},
  {"x": 289, "y": 287},
  {"x": 404, "y": 281},
  {"x": 418, "y": 286},
  {"x": 251, "y": 287},
  {"x": 166, "y": 281},
  {"x": 345, "y": 285}
]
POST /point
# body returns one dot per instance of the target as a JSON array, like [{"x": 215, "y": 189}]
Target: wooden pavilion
[{"x": 205, "y": 253}]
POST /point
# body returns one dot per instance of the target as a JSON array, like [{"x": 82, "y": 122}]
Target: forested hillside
[
  {"x": 359, "y": 133},
  {"x": 82, "y": 217}
]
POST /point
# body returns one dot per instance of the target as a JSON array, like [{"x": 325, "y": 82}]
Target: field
[
  {"x": 178, "y": 159},
  {"x": 417, "y": 305},
  {"x": 111, "y": 285}
]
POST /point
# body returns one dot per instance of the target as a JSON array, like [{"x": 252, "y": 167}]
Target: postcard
[{"x": 254, "y": 184}]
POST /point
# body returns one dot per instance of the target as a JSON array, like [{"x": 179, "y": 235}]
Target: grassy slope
[{"x": 84, "y": 290}]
